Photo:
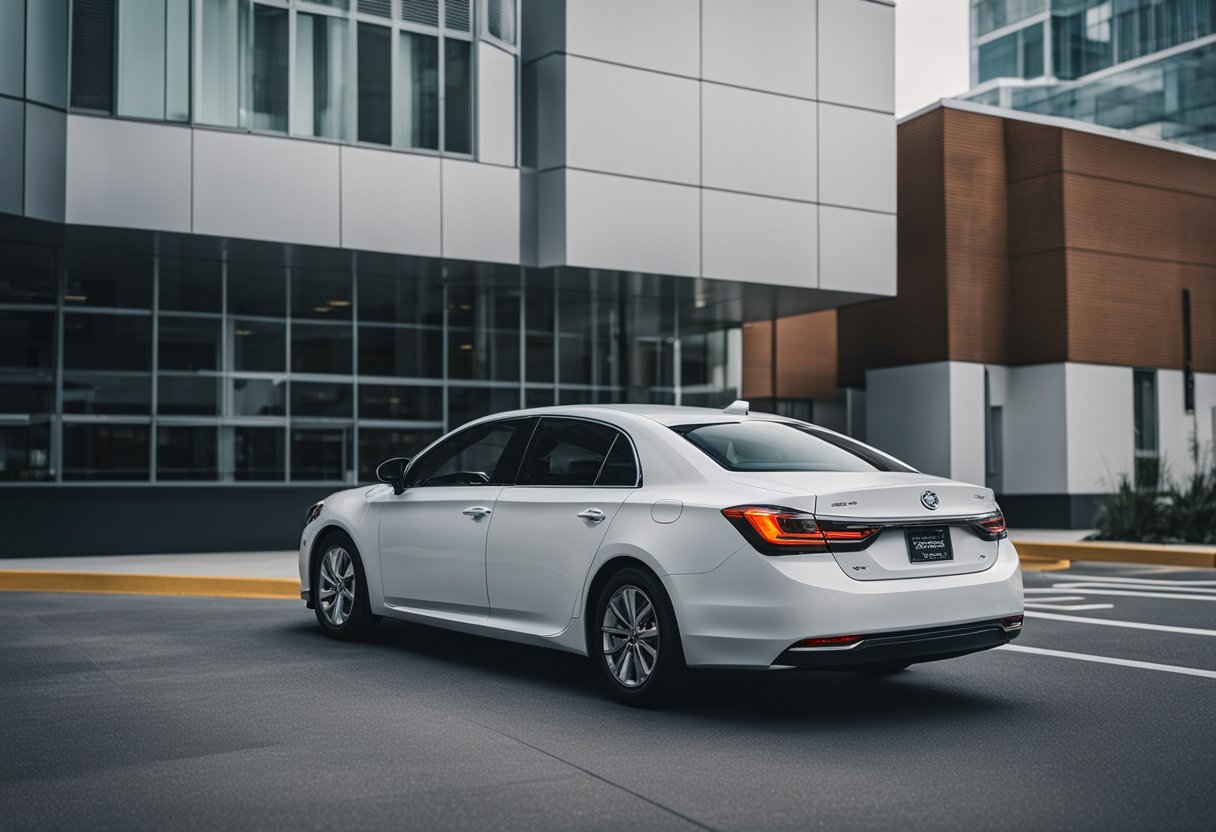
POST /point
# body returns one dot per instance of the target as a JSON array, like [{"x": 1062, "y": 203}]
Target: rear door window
[{"x": 576, "y": 452}]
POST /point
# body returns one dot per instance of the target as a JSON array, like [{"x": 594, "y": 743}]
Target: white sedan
[{"x": 656, "y": 539}]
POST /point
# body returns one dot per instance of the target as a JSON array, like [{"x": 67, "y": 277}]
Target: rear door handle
[
  {"x": 592, "y": 514},
  {"x": 477, "y": 512}
]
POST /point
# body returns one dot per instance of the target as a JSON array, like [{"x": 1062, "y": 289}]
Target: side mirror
[{"x": 392, "y": 472}]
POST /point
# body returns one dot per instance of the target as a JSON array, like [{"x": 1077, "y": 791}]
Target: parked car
[{"x": 655, "y": 539}]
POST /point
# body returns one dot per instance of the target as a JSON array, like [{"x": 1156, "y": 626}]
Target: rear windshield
[{"x": 783, "y": 446}]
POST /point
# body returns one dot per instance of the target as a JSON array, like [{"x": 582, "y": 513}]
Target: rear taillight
[
  {"x": 775, "y": 530},
  {"x": 992, "y": 527},
  {"x": 828, "y": 641}
]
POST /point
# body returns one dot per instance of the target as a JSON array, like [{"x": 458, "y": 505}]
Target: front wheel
[
  {"x": 340, "y": 588},
  {"x": 636, "y": 643}
]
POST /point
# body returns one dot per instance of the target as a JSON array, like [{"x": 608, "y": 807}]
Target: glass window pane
[
  {"x": 321, "y": 454},
  {"x": 28, "y": 273},
  {"x": 258, "y": 346},
  {"x": 413, "y": 299},
  {"x": 318, "y": 293},
  {"x": 468, "y": 403},
  {"x": 46, "y": 59},
  {"x": 141, "y": 58},
  {"x": 310, "y": 398},
  {"x": 27, "y": 340},
  {"x": 394, "y": 401},
  {"x": 219, "y": 62},
  {"x": 379, "y": 444},
  {"x": 375, "y": 84},
  {"x": 189, "y": 343},
  {"x": 483, "y": 356},
  {"x": 129, "y": 395},
  {"x": 258, "y": 397},
  {"x": 107, "y": 342},
  {"x": 177, "y": 60},
  {"x": 999, "y": 58},
  {"x": 620, "y": 467},
  {"x": 401, "y": 352},
  {"x": 320, "y": 100},
  {"x": 257, "y": 289},
  {"x": 186, "y": 453},
  {"x": 25, "y": 394},
  {"x": 106, "y": 278},
  {"x": 105, "y": 452},
  {"x": 538, "y": 397},
  {"x": 268, "y": 69},
  {"x": 774, "y": 446},
  {"x": 25, "y": 453},
  {"x": 472, "y": 457},
  {"x": 92, "y": 54},
  {"x": 254, "y": 453},
  {"x": 12, "y": 48},
  {"x": 419, "y": 91},
  {"x": 458, "y": 91},
  {"x": 317, "y": 348},
  {"x": 566, "y": 452},
  {"x": 189, "y": 285},
  {"x": 187, "y": 395}
]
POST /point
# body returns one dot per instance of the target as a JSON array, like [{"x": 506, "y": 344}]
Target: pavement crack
[{"x": 599, "y": 777}]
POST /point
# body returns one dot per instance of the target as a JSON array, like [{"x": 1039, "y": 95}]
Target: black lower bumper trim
[
  {"x": 306, "y": 597},
  {"x": 901, "y": 648}
]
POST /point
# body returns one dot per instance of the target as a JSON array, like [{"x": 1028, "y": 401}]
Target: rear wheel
[
  {"x": 340, "y": 590},
  {"x": 636, "y": 642}
]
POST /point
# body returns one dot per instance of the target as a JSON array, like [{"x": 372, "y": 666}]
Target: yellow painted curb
[
  {"x": 31, "y": 580},
  {"x": 1153, "y": 554},
  {"x": 1043, "y": 564}
]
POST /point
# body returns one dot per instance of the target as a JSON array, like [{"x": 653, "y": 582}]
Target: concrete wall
[
  {"x": 1178, "y": 429},
  {"x": 739, "y": 141},
  {"x": 1101, "y": 426}
]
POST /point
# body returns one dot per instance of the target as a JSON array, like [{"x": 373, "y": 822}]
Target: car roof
[{"x": 664, "y": 414}]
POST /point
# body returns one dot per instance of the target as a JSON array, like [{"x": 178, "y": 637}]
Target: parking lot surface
[{"x": 152, "y": 713}]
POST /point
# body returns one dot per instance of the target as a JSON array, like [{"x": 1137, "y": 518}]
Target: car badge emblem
[{"x": 930, "y": 500}]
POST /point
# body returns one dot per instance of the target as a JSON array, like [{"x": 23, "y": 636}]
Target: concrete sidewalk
[{"x": 284, "y": 564}]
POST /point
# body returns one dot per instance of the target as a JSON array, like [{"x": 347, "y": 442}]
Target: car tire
[
  {"x": 338, "y": 579},
  {"x": 634, "y": 640}
]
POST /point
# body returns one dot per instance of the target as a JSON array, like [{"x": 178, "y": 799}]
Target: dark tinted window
[
  {"x": 477, "y": 456},
  {"x": 620, "y": 468},
  {"x": 573, "y": 452},
  {"x": 781, "y": 446}
]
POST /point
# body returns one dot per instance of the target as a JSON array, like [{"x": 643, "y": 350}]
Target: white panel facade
[
  {"x": 908, "y": 414},
  {"x": 762, "y": 44},
  {"x": 1101, "y": 426},
  {"x": 480, "y": 212},
  {"x": 758, "y": 143},
  {"x": 1179, "y": 430},
  {"x": 1036, "y": 433},
  {"x": 12, "y": 156},
  {"x": 266, "y": 188},
  {"x": 856, "y": 158},
  {"x": 129, "y": 174},
  {"x": 613, "y": 222},
  {"x": 496, "y": 105},
  {"x": 759, "y": 240},
  {"x": 967, "y": 448},
  {"x": 390, "y": 202},
  {"x": 856, "y": 251},
  {"x": 655, "y": 35},
  {"x": 857, "y": 53},
  {"x": 45, "y": 153},
  {"x": 632, "y": 122}
]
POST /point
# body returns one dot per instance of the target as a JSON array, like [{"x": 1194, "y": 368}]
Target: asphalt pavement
[{"x": 139, "y": 712}]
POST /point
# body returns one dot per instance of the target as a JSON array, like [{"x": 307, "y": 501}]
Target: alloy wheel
[
  {"x": 338, "y": 585},
  {"x": 630, "y": 636}
]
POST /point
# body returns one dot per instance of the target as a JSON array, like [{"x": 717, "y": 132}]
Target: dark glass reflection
[
  {"x": 108, "y": 278},
  {"x": 413, "y": 298},
  {"x": 458, "y": 91},
  {"x": 320, "y": 293},
  {"x": 107, "y": 342},
  {"x": 312, "y": 398},
  {"x": 394, "y": 401},
  {"x": 468, "y": 403},
  {"x": 105, "y": 452},
  {"x": 190, "y": 285},
  {"x": 186, "y": 453},
  {"x": 257, "y": 453},
  {"x": 257, "y": 289},
  {"x": 27, "y": 339},
  {"x": 258, "y": 346},
  {"x": 25, "y": 453},
  {"x": 400, "y": 352},
  {"x": 375, "y": 84},
  {"x": 187, "y": 395},
  {"x": 27, "y": 273},
  {"x": 107, "y": 393},
  {"x": 189, "y": 343},
  {"x": 258, "y": 397},
  {"x": 317, "y": 348},
  {"x": 321, "y": 454},
  {"x": 379, "y": 444}
]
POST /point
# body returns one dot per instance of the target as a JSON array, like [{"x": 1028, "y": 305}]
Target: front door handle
[
  {"x": 477, "y": 512},
  {"x": 592, "y": 514}
]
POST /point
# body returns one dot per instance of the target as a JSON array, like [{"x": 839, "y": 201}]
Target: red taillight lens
[
  {"x": 778, "y": 528},
  {"x": 993, "y": 528},
  {"x": 829, "y": 641}
]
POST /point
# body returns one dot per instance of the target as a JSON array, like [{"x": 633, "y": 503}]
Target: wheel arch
[{"x": 602, "y": 575}]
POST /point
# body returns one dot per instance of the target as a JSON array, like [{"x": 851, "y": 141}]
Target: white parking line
[
  {"x": 1169, "y": 596},
  {"x": 1161, "y": 582},
  {"x": 1134, "y": 625},
  {"x": 1075, "y": 607},
  {"x": 1057, "y": 599},
  {"x": 1085, "y": 657}
]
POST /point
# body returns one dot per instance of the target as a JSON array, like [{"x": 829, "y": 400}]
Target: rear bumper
[
  {"x": 900, "y": 648},
  {"x": 752, "y": 609}
]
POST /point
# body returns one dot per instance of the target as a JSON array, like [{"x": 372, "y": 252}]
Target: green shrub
[{"x": 1166, "y": 512}]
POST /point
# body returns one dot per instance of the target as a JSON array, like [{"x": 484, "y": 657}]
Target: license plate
[{"x": 929, "y": 545}]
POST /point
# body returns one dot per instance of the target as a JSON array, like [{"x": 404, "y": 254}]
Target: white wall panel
[
  {"x": 495, "y": 105},
  {"x": 856, "y": 158},
  {"x": 1036, "y": 433},
  {"x": 629, "y": 121},
  {"x": 480, "y": 212},
  {"x": 12, "y": 156},
  {"x": 1101, "y": 426},
  {"x": 967, "y": 439},
  {"x": 908, "y": 414},
  {"x": 45, "y": 154},
  {"x": 632, "y": 224},
  {"x": 265, "y": 188},
  {"x": 856, "y": 251},
  {"x": 656, "y": 35},
  {"x": 762, "y": 44},
  {"x": 1178, "y": 429},
  {"x": 759, "y": 240},
  {"x": 390, "y": 201},
  {"x": 857, "y": 54},
  {"x": 758, "y": 143},
  {"x": 128, "y": 174}
]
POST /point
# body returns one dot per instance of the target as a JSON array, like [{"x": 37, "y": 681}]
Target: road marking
[
  {"x": 1058, "y": 599},
  {"x": 1077, "y": 607},
  {"x": 1135, "y": 625},
  {"x": 1113, "y": 580},
  {"x": 1085, "y": 657},
  {"x": 1171, "y": 596},
  {"x": 1163, "y": 590}
]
